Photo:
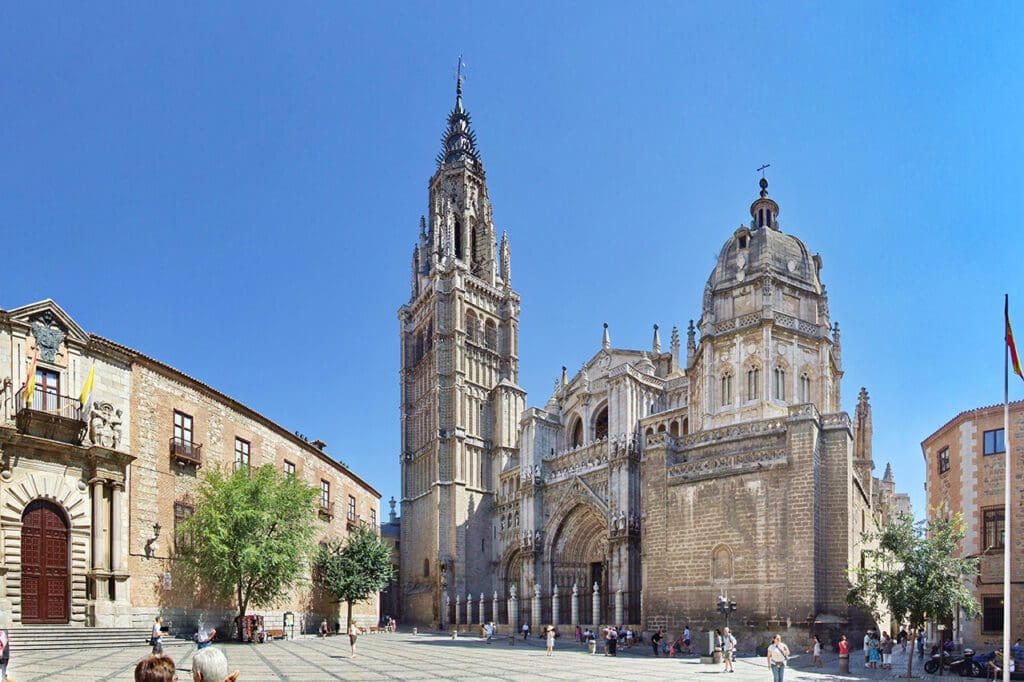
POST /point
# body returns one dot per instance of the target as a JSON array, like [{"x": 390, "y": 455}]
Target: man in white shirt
[
  {"x": 867, "y": 646},
  {"x": 778, "y": 657}
]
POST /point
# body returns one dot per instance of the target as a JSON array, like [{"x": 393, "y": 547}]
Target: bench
[{"x": 275, "y": 633}]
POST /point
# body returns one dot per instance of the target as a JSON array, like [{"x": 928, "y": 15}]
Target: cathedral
[{"x": 652, "y": 482}]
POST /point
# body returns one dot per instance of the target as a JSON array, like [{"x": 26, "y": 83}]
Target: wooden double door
[{"x": 45, "y": 559}]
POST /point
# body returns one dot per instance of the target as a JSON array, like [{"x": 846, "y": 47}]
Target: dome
[{"x": 765, "y": 250}]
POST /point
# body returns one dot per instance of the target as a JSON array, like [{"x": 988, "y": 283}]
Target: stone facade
[
  {"x": 965, "y": 460},
  {"x": 652, "y": 481},
  {"x": 121, "y": 476}
]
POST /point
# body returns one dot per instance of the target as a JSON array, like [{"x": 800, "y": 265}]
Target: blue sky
[{"x": 235, "y": 188}]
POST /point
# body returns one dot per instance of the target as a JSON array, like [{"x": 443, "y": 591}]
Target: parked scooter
[{"x": 963, "y": 665}]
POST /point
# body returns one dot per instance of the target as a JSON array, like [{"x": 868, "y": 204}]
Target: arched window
[
  {"x": 686, "y": 425},
  {"x": 470, "y": 326},
  {"x": 491, "y": 335},
  {"x": 726, "y": 390},
  {"x": 458, "y": 239},
  {"x": 780, "y": 384},
  {"x": 721, "y": 563},
  {"x": 673, "y": 430},
  {"x": 601, "y": 424},
  {"x": 576, "y": 439},
  {"x": 753, "y": 383},
  {"x": 805, "y": 388}
]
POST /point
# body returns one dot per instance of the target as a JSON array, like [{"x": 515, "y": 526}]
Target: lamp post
[{"x": 726, "y": 607}]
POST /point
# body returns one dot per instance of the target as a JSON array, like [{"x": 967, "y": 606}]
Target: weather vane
[
  {"x": 759, "y": 170},
  {"x": 458, "y": 70}
]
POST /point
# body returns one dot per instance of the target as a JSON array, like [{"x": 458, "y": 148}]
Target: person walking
[
  {"x": 687, "y": 635},
  {"x": 778, "y": 657},
  {"x": 656, "y": 641},
  {"x": 488, "y": 631},
  {"x": 728, "y": 650},
  {"x": 579, "y": 634},
  {"x": 920, "y": 644},
  {"x": 887, "y": 647},
  {"x": 526, "y": 631},
  {"x": 204, "y": 637},
  {"x": 549, "y": 635},
  {"x": 353, "y": 633},
  {"x": 867, "y": 648},
  {"x": 816, "y": 651},
  {"x": 874, "y": 653},
  {"x": 156, "y": 635}
]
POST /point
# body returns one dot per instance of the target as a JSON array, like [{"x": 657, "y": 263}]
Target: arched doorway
[
  {"x": 45, "y": 555},
  {"x": 579, "y": 557}
]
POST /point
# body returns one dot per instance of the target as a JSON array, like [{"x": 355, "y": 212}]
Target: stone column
[
  {"x": 513, "y": 611},
  {"x": 575, "y": 605},
  {"x": 596, "y": 603},
  {"x": 97, "y": 525},
  {"x": 116, "y": 493},
  {"x": 554, "y": 606},
  {"x": 535, "y": 611},
  {"x": 494, "y": 612},
  {"x": 444, "y": 609},
  {"x": 618, "y": 605},
  {"x": 458, "y": 607},
  {"x": 469, "y": 608},
  {"x": 483, "y": 608}
]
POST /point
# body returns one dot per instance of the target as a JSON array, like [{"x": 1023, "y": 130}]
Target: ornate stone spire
[
  {"x": 888, "y": 473},
  {"x": 691, "y": 343},
  {"x": 656, "y": 343},
  {"x": 674, "y": 347},
  {"x": 565, "y": 377},
  {"x": 506, "y": 260},
  {"x": 392, "y": 517},
  {"x": 606, "y": 340},
  {"x": 459, "y": 141}
]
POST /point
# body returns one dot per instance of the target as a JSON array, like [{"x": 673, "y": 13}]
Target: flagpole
[{"x": 1007, "y": 507}]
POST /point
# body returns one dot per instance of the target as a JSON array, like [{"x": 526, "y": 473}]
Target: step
[{"x": 50, "y": 637}]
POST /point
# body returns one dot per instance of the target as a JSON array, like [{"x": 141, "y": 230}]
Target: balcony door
[
  {"x": 47, "y": 393},
  {"x": 45, "y": 558}
]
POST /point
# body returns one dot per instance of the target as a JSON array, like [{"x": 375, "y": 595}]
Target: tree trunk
[
  {"x": 241, "y": 614},
  {"x": 349, "y": 618},
  {"x": 910, "y": 661}
]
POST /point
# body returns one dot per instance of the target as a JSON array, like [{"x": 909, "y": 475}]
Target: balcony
[
  {"x": 50, "y": 415},
  {"x": 353, "y": 520},
  {"x": 326, "y": 508},
  {"x": 185, "y": 452}
]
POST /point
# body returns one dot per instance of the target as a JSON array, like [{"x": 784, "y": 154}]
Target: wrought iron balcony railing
[
  {"x": 186, "y": 452},
  {"x": 49, "y": 402}
]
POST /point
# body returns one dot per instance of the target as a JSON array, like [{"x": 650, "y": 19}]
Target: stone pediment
[
  {"x": 47, "y": 315},
  {"x": 577, "y": 491}
]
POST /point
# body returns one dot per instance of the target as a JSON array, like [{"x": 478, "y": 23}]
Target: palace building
[
  {"x": 91, "y": 496},
  {"x": 651, "y": 481}
]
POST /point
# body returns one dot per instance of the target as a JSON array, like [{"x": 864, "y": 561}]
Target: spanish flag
[
  {"x": 1014, "y": 359},
  {"x": 30, "y": 381},
  {"x": 86, "y": 396}
]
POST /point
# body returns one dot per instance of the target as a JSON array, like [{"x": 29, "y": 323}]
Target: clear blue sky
[{"x": 235, "y": 188}]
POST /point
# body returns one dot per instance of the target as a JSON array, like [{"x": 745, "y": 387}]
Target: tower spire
[{"x": 459, "y": 141}]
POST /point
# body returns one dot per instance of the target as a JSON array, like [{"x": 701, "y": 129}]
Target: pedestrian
[
  {"x": 353, "y": 633},
  {"x": 687, "y": 635},
  {"x": 778, "y": 657},
  {"x": 210, "y": 665},
  {"x": 656, "y": 641},
  {"x": 887, "y": 646},
  {"x": 629, "y": 638},
  {"x": 5, "y": 654},
  {"x": 155, "y": 636},
  {"x": 867, "y": 648},
  {"x": 155, "y": 668},
  {"x": 844, "y": 648},
  {"x": 526, "y": 631},
  {"x": 324, "y": 629},
  {"x": 204, "y": 637},
  {"x": 728, "y": 650},
  {"x": 549, "y": 635},
  {"x": 920, "y": 644},
  {"x": 579, "y": 634},
  {"x": 874, "y": 652},
  {"x": 613, "y": 640},
  {"x": 902, "y": 639},
  {"x": 718, "y": 642},
  {"x": 816, "y": 651}
]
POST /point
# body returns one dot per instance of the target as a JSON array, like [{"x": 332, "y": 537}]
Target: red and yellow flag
[{"x": 1014, "y": 359}]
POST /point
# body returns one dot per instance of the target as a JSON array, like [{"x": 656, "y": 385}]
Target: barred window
[
  {"x": 992, "y": 614},
  {"x": 994, "y": 529},
  {"x": 182, "y": 540}
]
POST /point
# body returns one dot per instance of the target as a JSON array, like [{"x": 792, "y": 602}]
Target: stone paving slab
[{"x": 428, "y": 657}]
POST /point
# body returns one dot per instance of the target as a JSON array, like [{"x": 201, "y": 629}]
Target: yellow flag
[
  {"x": 87, "y": 387},
  {"x": 30, "y": 381}
]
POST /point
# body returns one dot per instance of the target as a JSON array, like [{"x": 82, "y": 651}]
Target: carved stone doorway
[
  {"x": 579, "y": 555},
  {"x": 45, "y": 559}
]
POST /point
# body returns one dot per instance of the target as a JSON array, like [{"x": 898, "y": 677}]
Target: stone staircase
[{"x": 55, "y": 637}]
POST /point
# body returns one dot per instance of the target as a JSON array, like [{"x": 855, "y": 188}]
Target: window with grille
[
  {"x": 351, "y": 508},
  {"x": 182, "y": 540},
  {"x": 992, "y": 614},
  {"x": 325, "y": 494},
  {"x": 994, "y": 527},
  {"x": 943, "y": 460},
  {"x": 241, "y": 454}
]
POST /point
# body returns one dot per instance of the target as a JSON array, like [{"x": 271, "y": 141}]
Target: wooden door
[{"x": 44, "y": 564}]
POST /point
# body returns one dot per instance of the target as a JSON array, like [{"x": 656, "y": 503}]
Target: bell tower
[{"x": 460, "y": 398}]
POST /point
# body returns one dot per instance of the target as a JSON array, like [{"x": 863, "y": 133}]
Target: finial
[
  {"x": 565, "y": 377},
  {"x": 458, "y": 84},
  {"x": 606, "y": 341},
  {"x": 656, "y": 343}
]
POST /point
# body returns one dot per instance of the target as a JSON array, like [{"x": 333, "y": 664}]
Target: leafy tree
[
  {"x": 353, "y": 569},
  {"x": 251, "y": 534},
  {"x": 916, "y": 574}
]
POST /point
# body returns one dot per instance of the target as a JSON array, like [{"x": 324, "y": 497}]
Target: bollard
[
  {"x": 414, "y": 631},
  {"x": 455, "y": 634},
  {"x": 844, "y": 664},
  {"x": 592, "y": 646}
]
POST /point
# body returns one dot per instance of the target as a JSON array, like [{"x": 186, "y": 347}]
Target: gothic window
[
  {"x": 470, "y": 326},
  {"x": 601, "y": 424},
  {"x": 577, "y": 433},
  {"x": 726, "y": 390},
  {"x": 491, "y": 335},
  {"x": 753, "y": 383},
  {"x": 674, "y": 429},
  {"x": 721, "y": 563},
  {"x": 805, "y": 388},
  {"x": 686, "y": 425},
  {"x": 779, "y": 389},
  {"x": 458, "y": 239}
]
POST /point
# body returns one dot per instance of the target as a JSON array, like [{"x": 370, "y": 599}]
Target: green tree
[
  {"x": 251, "y": 535},
  {"x": 916, "y": 574},
  {"x": 353, "y": 569}
]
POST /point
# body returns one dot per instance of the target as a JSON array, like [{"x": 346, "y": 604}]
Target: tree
[
  {"x": 353, "y": 569},
  {"x": 916, "y": 574},
  {"x": 251, "y": 535}
]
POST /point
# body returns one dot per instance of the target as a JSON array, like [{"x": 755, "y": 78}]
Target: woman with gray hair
[{"x": 210, "y": 665}]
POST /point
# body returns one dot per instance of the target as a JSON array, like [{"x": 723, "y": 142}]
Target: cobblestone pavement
[{"x": 403, "y": 656}]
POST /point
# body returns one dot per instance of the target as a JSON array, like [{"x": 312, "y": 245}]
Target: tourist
[
  {"x": 629, "y": 638},
  {"x": 920, "y": 644},
  {"x": 204, "y": 637},
  {"x": 815, "y": 651},
  {"x": 210, "y": 665},
  {"x": 867, "y": 648},
  {"x": 718, "y": 642},
  {"x": 1017, "y": 654},
  {"x": 488, "y": 631},
  {"x": 687, "y": 635},
  {"x": 526, "y": 631},
  {"x": 5, "y": 654},
  {"x": 728, "y": 649},
  {"x": 155, "y": 668},
  {"x": 353, "y": 633},
  {"x": 887, "y": 646},
  {"x": 778, "y": 657},
  {"x": 549, "y": 635},
  {"x": 611, "y": 640},
  {"x": 874, "y": 654},
  {"x": 902, "y": 639},
  {"x": 579, "y": 634},
  {"x": 844, "y": 651},
  {"x": 656, "y": 641},
  {"x": 156, "y": 635}
]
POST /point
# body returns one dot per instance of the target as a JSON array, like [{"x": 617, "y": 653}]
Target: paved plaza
[{"x": 403, "y": 656}]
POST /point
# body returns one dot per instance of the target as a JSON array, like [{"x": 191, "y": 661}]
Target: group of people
[
  {"x": 878, "y": 650},
  {"x": 208, "y": 665}
]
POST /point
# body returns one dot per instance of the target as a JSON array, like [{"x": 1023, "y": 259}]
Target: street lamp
[{"x": 726, "y": 607}]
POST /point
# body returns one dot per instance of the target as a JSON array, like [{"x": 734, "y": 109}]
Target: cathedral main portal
[{"x": 579, "y": 557}]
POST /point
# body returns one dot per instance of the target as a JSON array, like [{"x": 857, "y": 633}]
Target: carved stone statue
[
  {"x": 595, "y": 587},
  {"x": 512, "y": 591},
  {"x": 104, "y": 425},
  {"x": 575, "y": 590},
  {"x": 536, "y": 590}
]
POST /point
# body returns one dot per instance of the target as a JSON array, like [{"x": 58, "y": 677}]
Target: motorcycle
[{"x": 963, "y": 665}]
